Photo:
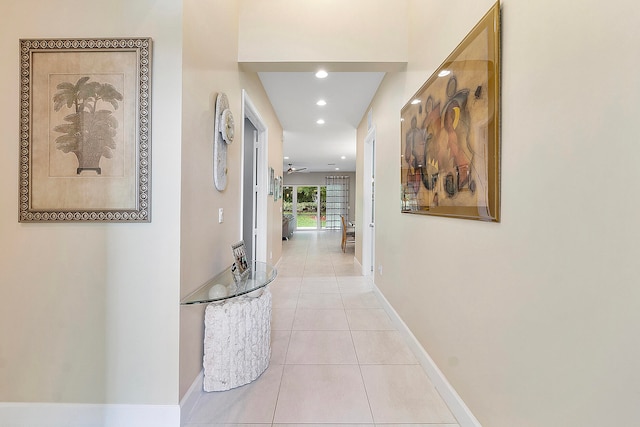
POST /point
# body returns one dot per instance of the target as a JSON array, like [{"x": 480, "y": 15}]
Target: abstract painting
[{"x": 450, "y": 132}]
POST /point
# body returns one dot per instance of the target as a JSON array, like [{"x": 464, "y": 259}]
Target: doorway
[
  {"x": 311, "y": 207},
  {"x": 253, "y": 226},
  {"x": 249, "y": 186},
  {"x": 307, "y": 204},
  {"x": 368, "y": 205}
]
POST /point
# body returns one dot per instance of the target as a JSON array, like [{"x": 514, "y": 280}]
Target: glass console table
[
  {"x": 223, "y": 287},
  {"x": 237, "y": 326}
]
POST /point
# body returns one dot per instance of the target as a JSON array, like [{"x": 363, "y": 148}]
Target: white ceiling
[{"x": 319, "y": 148}]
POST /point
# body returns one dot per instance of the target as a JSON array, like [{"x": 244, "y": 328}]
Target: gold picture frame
[
  {"x": 450, "y": 132},
  {"x": 85, "y": 130}
]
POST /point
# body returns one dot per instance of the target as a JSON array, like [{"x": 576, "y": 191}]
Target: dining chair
[{"x": 348, "y": 234}]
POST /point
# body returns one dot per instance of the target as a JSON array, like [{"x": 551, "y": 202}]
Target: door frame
[
  {"x": 259, "y": 214},
  {"x": 368, "y": 205}
]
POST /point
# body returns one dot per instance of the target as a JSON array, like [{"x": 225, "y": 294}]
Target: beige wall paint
[
  {"x": 209, "y": 67},
  {"x": 252, "y": 85},
  {"x": 357, "y": 31},
  {"x": 88, "y": 311},
  {"x": 542, "y": 333},
  {"x": 533, "y": 320}
]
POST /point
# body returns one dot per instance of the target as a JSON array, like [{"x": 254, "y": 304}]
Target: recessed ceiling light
[
  {"x": 321, "y": 102},
  {"x": 415, "y": 101},
  {"x": 444, "y": 73},
  {"x": 337, "y": 169},
  {"x": 321, "y": 74},
  {"x": 320, "y": 121},
  {"x": 286, "y": 157},
  {"x": 343, "y": 157}
]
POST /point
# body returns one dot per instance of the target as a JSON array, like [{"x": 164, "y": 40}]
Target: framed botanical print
[{"x": 85, "y": 130}]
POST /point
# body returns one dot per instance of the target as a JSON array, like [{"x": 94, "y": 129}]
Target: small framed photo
[{"x": 240, "y": 268}]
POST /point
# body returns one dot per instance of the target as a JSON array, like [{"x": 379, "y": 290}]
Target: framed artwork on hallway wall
[
  {"x": 85, "y": 130},
  {"x": 277, "y": 190},
  {"x": 450, "y": 132},
  {"x": 272, "y": 181}
]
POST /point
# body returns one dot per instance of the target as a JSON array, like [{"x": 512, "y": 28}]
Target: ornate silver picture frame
[{"x": 85, "y": 130}]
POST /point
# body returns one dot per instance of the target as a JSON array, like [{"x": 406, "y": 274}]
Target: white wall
[
  {"x": 533, "y": 320},
  {"x": 88, "y": 312}
]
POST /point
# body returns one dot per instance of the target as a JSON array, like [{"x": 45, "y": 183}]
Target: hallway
[{"x": 336, "y": 357}]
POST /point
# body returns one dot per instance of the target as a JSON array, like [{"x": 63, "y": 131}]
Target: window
[{"x": 337, "y": 200}]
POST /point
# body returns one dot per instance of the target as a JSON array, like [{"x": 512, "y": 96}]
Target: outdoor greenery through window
[{"x": 307, "y": 203}]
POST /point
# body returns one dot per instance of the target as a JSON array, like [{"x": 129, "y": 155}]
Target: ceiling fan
[{"x": 293, "y": 170}]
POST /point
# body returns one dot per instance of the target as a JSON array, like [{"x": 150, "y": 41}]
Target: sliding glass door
[
  {"x": 287, "y": 200},
  {"x": 308, "y": 204}
]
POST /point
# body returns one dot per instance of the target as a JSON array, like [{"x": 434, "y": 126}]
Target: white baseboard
[
  {"x": 190, "y": 398},
  {"x": 449, "y": 395},
  {"x": 357, "y": 263},
  {"x": 23, "y": 414}
]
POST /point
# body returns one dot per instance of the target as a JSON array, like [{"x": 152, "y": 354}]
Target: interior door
[
  {"x": 368, "y": 214},
  {"x": 253, "y": 227},
  {"x": 250, "y": 196}
]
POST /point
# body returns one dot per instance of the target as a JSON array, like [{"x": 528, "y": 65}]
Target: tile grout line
[
  {"x": 286, "y": 355},
  {"x": 353, "y": 344},
  {"x": 343, "y": 309},
  {"x": 364, "y": 385}
]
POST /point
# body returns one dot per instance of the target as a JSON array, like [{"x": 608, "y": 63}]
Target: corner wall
[
  {"x": 532, "y": 320},
  {"x": 210, "y": 66},
  {"x": 88, "y": 312}
]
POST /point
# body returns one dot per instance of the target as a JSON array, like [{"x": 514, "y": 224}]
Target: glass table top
[{"x": 223, "y": 286}]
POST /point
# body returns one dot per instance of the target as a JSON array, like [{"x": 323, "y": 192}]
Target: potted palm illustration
[{"x": 90, "y": 129}]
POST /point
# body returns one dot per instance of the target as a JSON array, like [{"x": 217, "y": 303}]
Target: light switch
[{"x": 220, "y": 216}]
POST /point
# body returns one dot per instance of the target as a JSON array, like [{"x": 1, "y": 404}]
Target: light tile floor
[{"x": 336, "y": 358}]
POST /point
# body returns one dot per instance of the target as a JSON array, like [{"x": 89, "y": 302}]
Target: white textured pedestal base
[{"x": 237, "y": 343}]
